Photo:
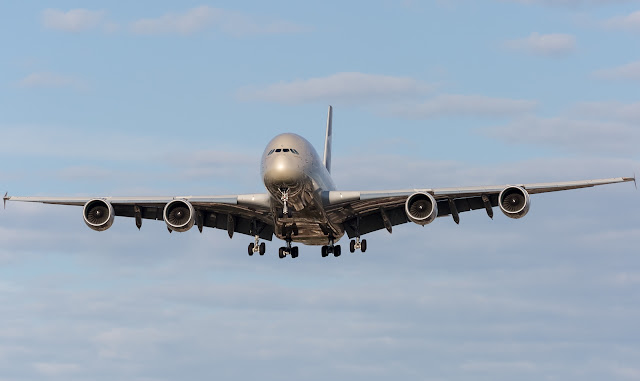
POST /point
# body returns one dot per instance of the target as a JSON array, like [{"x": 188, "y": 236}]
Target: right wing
[
  {"x": 362, "y": 212},
  {"x": 246, "y": 214}
]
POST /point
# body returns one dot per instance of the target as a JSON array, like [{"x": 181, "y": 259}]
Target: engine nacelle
[
  {"x": 514, "y": 202},
  {"x": 98, "y": 214},
  {"x": 421, "y": 208},
  {"x": 179, "y": 215}
]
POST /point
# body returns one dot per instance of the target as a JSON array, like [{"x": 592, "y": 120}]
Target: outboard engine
[
  {"x": 514, "y": 202},
  {"x": 179, "y": 215},
  {"x": 421, "y": 208},
  {"x": 98, "y": 214}
]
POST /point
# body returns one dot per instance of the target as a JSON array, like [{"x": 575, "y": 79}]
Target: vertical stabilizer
[{"x": 327, "y": 142}]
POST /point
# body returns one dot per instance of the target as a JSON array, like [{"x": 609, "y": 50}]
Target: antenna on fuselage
[{"x": 327, "y": 142}]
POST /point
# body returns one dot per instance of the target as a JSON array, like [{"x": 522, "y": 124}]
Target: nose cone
[{"x": 282, "y": 170}]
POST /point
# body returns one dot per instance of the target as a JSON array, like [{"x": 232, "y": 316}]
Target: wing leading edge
[{"x": 362, "y": 212}]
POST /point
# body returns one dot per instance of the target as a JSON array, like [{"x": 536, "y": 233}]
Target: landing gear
[
  {"x": 257, "y": 247},
  {"x": 336, "y": 250},
  {"x": 358, "y": 245},
  {"x": 285, "y": 203},
  {"x": 288, "y": 250}
]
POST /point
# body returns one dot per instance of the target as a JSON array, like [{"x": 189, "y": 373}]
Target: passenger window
[
  {"x": 285, "y": 150},
  {"x": 278, "y": 150}
]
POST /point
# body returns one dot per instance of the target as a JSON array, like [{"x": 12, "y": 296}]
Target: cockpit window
[
  {"x": 270, "y": 152},
  {"x": 294, "y": 151},
  {"x": 285, "y": 150},
  {"x": 278, "y": 150}
]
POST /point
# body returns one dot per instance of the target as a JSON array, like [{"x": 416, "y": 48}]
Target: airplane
[{"x": 303, "y": 205}]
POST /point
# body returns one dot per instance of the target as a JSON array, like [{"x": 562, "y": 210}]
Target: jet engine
[
  {"x": 98, "y": 214},
  {"x": 421, "y": 208},
  {"x": 179, "y": 215},
  {"x": 514, "y": 202}
]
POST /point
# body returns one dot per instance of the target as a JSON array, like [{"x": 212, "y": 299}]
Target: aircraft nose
[{"x": 282, "y": 170}]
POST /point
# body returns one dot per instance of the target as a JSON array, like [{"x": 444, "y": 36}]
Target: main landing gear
[
  {"x": 288, "y": 250},
  {"x": 358, "y": 245},
  {"x": 331, "y": 248},
  {"x": 257, "y": 247}
]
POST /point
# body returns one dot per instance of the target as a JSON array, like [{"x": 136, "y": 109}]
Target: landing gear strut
[
  {"x": 257, "y": 247},
  {"x": 331, "y": 248},
  {"x": 285, "y": 202}
]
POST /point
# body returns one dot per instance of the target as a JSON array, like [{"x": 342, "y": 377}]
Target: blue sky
[{"x": 164, "y": 98}]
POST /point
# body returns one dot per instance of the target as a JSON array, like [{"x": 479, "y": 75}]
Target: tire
[
  {"x": 263, "y": 248},
  {"x": 294, "y": 252},
  {"x": 363, "y": 245},
  {"x": 337, "y": 250},
  {"x": 325, "y": 252},
  {"x": 281, "y": 252},
  {"x": 251, "y": 246},
  {"x": 352, "y": 246}
]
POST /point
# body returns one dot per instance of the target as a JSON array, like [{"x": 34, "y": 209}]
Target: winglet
[
  {"x": 631, "y": 179},
  {"x": 5, "y": 198}
]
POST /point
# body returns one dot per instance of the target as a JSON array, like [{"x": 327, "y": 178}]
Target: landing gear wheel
[
  {"x": 251, "y": 246},
  {"x": 363, "y": 245},
  {"x": 337, "y": 251},
  {"x": 325, "y": 251},
  {"x": 352, "y": 246},
  {"x": 281, "y": 252},
  {"x": 263, "y": 249},
  {"x": 294, "y": 252}
]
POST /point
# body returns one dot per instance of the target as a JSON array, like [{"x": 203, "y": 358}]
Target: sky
[{"x": 175, "y": 98}]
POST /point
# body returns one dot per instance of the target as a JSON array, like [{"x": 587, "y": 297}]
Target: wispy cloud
[
  {"x": 74, "y": 20},
  {"x": 628, "y": 22},
  {"x": 550, "y": 45},
  {"x": 573, "y": 134},
  {"x": 628, "y": 71},
  {"x": 204, "y": 17},
  {"x": 629, "y": 112},
  {"x": 568, "y": 3},
  {"x": 350, "y": 87},
  {"x": 463, "y": 105},
  {"x": 52, "y": 80}
]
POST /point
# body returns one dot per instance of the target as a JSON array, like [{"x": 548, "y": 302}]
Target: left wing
[
  {"x": 246, "y": 214},
  {"x": 362, "y": 212}
]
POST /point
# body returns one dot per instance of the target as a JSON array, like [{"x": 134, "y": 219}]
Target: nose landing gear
[{"x": 285, "y": 202}]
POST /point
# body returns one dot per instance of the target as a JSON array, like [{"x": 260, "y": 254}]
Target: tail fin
[{"x": 327, "y": 142}]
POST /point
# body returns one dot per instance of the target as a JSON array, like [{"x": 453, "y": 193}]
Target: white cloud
[
  {"x": 463, "y": 105},
  {"x": 52, "y": 369},
  {"x": 555, "y": 44},
  {"x": 568, "y": 3},
  {"x": 51, "y": 80},
  {"x": 629, "y": 112},
  {"x": 349, "y": 87},
  {"x": 629, "y": 22},
  {"x": 628, "y": 71},
  {"x": 564, "y": 133},
  {"x": 203, "y": 17},
  {"x": 74, "y": 20}
]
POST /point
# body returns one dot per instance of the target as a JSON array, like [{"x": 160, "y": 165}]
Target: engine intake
[
  {"x": 98, "y": 214},
  {"x": 179, "y": 215},
  {"x": 514, "y": 202},
  {"x": 421, "y": 208}
]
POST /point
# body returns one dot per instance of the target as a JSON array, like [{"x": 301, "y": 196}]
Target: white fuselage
[{"x": 291, "y": 163}]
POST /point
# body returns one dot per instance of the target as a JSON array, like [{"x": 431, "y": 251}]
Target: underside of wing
[
  {"x": 362, "y": 212},
  {"x": 244, "y": 214}
]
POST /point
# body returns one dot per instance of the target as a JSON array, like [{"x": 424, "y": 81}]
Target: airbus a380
[{"x": 302, "y": 203}]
